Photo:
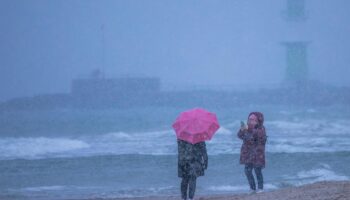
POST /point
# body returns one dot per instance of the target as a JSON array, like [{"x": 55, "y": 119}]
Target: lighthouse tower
[{"x": 296, "y": 74}]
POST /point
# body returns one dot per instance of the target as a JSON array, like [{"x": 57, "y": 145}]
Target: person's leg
[
  {"x": 249, "y": 173},
  {"x": 184, "y": 186},
  {"x": 192, "y": 187},
  {"x": 259, "y": 177}
]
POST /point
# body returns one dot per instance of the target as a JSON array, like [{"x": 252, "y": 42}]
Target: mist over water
[{"x": 187, "y": 44}]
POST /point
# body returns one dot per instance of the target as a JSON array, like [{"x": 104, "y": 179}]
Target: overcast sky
[{"x": 46, "y": 44}]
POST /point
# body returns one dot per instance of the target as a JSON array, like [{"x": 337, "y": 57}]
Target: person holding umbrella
[
  {"x": 253, "y": 149},
  {"x": 192, "y": 129},
  {"x": 192, "y": 161}
]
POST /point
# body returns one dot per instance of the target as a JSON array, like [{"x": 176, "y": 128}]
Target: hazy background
[
  {"x": 109, "y": 142},
  {"x": 230, "y": 43}
]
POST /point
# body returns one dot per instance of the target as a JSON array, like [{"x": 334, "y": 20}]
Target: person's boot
[{"x": 251, "y": 191}]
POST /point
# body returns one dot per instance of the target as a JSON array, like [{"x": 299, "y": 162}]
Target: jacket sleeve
[
  {"x": 205, "y": 155},
  {"x": 260, "y": 136},
  {"x": 241, "y": 134},
  {"x": 180, "y": 149}
]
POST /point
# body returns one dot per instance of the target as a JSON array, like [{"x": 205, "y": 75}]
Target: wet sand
[{"x": 327, "y": 190}]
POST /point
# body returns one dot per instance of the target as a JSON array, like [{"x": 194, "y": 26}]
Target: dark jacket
[
  {"x": 192, "y": 159},
  {"x": 253, "y": 147}
]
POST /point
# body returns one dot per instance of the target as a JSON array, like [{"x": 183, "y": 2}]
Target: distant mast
[
  {"x": 102, "y": 71},
  {"x": 296, "y": 74}
]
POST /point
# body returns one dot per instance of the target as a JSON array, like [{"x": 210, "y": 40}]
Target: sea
[{"x": 132, "y": 152}]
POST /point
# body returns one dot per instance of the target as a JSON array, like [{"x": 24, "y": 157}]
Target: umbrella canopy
[{"x": 196, "y": 125}]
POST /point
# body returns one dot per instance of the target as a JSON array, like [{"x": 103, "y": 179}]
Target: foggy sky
[{"x": 46, "y": 44}]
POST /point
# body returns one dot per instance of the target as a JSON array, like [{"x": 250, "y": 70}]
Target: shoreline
[{"x": 324, "y": 190}]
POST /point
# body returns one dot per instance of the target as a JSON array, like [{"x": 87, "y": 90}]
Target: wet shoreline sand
[{"x": 325, "y": 190}]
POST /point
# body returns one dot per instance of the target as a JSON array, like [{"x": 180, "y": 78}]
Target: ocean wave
[
  {"x": 283, "y": 137},
  {"x": 310, "y": 127},
  {"x": 238, "y": 188},
  {"x": 44, "y": 188},
  {"x": 320, "y": 173},
  {"x": 308, "y": 144},
  {"x": 151, "y": 191},
  {"x": 52, "y": 192},
  {"x": 38, "y": 147}
]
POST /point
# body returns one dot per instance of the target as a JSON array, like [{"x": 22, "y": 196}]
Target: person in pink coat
[{"x": 253, "y": 149}]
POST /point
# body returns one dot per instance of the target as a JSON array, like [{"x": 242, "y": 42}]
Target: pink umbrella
[{"x": 196, "y": 125}]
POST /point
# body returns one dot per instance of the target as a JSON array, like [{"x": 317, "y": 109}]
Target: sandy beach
[{"x": 327, "y": 190}]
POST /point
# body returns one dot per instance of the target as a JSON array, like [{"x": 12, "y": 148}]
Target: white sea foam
[
  {"x": 320, "y": 173},
  {"x": 283, "y": 136},
  {"x": 238, "y": 188},
  {"x": 38, "y": 147},
  {"x": 228, "y": 188},
  {"x": 44, "y": 188},
  {"x": 309, "y": 127},
  {"x": 224, "y": 131}
]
